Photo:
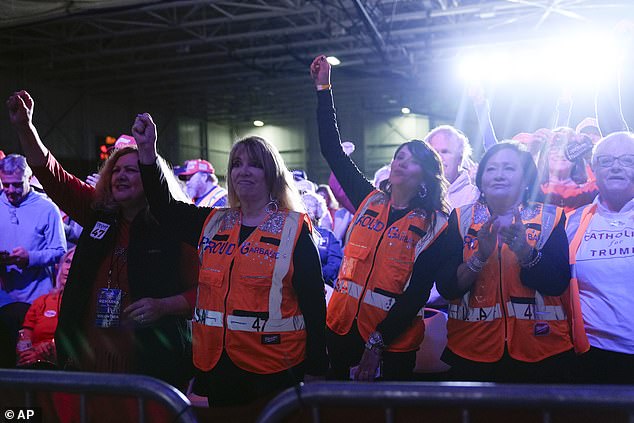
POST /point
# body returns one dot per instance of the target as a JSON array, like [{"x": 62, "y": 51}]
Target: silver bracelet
[{"x": 534, "y": 258}]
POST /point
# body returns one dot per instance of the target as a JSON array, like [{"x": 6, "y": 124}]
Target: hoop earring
[
  {"x": 272, "y": 206},
  {"x": 422, "y": 192}
]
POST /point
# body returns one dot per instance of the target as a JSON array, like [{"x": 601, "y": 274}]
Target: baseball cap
[
  {"x": 125, "y": 141},
  {"x": 193, "y": 166}
]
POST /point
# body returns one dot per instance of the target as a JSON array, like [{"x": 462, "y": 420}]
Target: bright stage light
[
  {"x": 405, "y": 110},
  {"x": 258, "y": 123},
  {"x": 573, "y": 60},
  {"x": 333, "y": 60}
]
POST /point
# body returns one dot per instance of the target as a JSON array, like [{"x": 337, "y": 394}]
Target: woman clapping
[{"x": 508, "y": 315}]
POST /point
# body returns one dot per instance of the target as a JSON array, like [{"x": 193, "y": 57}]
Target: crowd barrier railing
[
  {"x": 464, "y": 398},
  {"x": 144, "y": 388}
]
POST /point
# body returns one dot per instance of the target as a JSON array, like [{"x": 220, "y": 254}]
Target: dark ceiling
[{"x": 234, "y": 60}]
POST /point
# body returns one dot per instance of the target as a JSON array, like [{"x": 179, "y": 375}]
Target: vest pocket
[
  {"x": 210, "y": 276},
  {"x": 251, "y": 292},
  {"x": 353, "y": 254}
]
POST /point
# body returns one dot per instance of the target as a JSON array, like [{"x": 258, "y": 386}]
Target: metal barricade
[
  {"x": 464, "y": 396},
  {"x": 143, "y": 387}
]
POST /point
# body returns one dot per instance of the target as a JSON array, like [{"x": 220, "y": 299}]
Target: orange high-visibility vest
[
  {"x": 246, "y": 303},
  {"x": 499, "y": 310},
  {"x": 576, "y": 225},
  {"x": 376, "y": 269}
]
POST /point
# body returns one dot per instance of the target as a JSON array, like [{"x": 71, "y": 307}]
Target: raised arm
[
  {"x": 184, "y": 220},
  {"x": 483, "y": 113},
  {"x": 563, "y": 110},
  {"x": 21, "y": 106},
  {"x": 70, "y": 193},
  {"x": 608, "y": 100},
  {"x": 352, "y": 180}
]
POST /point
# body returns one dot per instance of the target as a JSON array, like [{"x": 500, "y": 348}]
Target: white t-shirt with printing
[{"x": 605, "y": 270}]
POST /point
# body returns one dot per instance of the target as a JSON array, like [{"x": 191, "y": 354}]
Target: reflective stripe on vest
[
  {"x": 259, "y": 324},
  {"x": 536, "y": 311},
  {"x": 383, "y": 302},
  {"x": 208, "y": 317},
  {"x": 349, "y": 288},
  {"x": 377, "y": 300},
  {"x": 283, "y": 264},
  {"x": 474, "y": 314}
]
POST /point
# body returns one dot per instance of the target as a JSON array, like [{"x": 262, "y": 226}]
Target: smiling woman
[
  {"x": 396, "y": 248},
  {"x": 126, "y": 303},
  {"x": 509, "y": 308}
]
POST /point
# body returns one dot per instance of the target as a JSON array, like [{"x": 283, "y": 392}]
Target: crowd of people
[{"x": 275, "y": 280}]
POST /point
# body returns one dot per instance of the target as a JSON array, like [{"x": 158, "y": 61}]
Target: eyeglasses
[
  {"x": 625, "y": 160},
  {"x": 13, "y": 217}
]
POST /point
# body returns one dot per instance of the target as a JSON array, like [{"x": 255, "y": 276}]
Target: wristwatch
[{"x": 375, "y": 342}]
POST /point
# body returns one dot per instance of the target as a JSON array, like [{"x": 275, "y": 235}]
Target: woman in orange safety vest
[
  {"x": 259, "y": 322},
  {"x": 394, "y": 250},
  {"x": 509, "y": 315}
]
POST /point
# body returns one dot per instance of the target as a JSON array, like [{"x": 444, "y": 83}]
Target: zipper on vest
[
  {"x": 365, "y": 286},
  {"x": 503, "y": 305},
  {"x": 224, "y": 317}
]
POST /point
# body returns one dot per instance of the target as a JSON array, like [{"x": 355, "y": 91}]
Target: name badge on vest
[
  {"x": 108, "y": 308},
  {"x": 274, "y": 339},
  {"x": 542, "y": 329},
  {"x": 99, "y": 230}
]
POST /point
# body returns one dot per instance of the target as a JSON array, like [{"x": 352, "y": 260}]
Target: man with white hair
[
  {"x": 454, "y": 150},
  {"x": 32, "y": 238},
  {"x": 601, "y": 237}
]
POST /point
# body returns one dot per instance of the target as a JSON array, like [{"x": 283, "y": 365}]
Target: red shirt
[{"x": 42, "y": 317}]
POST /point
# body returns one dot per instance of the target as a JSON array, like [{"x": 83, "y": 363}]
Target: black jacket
[{"x": 162, "y": 350}]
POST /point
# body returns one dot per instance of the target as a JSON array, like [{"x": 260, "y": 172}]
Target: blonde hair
[{"x": 279, "y": 180}]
